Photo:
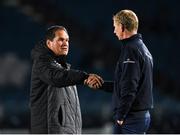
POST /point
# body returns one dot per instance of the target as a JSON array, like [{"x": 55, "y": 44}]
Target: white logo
[{"x": 129, "y": 61}]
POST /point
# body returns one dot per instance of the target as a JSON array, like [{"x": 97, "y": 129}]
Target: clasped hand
[{"x": 94, "y": 81}]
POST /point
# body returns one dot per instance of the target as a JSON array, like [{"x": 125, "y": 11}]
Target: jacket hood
[{"x": 41, "y": 49}]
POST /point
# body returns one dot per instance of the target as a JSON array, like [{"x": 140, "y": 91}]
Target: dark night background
[{"x": 93, "y": 48}]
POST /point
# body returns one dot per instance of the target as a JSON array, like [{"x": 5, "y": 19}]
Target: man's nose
[
  {"x": 114, "y": 31},
  {"x": 65, "y": 44}
]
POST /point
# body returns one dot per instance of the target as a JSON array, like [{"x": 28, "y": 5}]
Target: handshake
[{"x": 94, "y": 81}]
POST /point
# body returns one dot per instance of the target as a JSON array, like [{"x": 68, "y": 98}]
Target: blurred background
[{"x": 93, "y": 48}]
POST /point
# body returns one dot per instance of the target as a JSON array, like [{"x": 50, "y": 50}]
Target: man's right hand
[{"x": 94, "y": 81}]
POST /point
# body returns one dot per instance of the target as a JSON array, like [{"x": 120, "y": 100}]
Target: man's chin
[
  {"x": 60, "y": 54},
  {"x": 65, "y": 53}
]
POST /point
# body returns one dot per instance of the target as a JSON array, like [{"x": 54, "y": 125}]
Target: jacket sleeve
[
  {"x": 107, "y": 86},
  {"x": 56, "y": 76},
  {"x": 128, "y": 83}
]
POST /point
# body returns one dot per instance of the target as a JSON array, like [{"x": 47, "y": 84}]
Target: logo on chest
[{"x": 129, "y": 61}]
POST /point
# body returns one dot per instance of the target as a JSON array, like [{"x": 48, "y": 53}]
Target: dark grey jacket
[{"x": 54, "y": 100}]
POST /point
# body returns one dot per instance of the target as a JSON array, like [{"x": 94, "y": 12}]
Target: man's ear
[
  {"x": 123, "y": 28},
  {"x": 48, "y": 43}
]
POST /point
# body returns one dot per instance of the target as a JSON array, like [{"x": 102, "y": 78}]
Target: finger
[
  {"x": 92, "y": 82},
  {"x": 98, "y": 81},
  {"x": 97, "y": 86},
  {"x": 89, "y": 80},
  {"x": 102, "y": 81},
  {"x": 98, "y": 77},
  {"x": 93, "y": 77},
  {"x": 92, "y": 87}
]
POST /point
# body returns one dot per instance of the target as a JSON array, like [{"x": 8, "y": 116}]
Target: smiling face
[{"x": 60, "y": 43}]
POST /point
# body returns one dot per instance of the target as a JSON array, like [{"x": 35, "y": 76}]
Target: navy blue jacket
[{"x": 133, "y": 79}]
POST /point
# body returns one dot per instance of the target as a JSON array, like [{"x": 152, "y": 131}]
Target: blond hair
[{"x": 128, "y": 19}]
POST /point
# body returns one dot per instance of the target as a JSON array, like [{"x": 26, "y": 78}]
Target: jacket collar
[{"x": 133, "y": 37}]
